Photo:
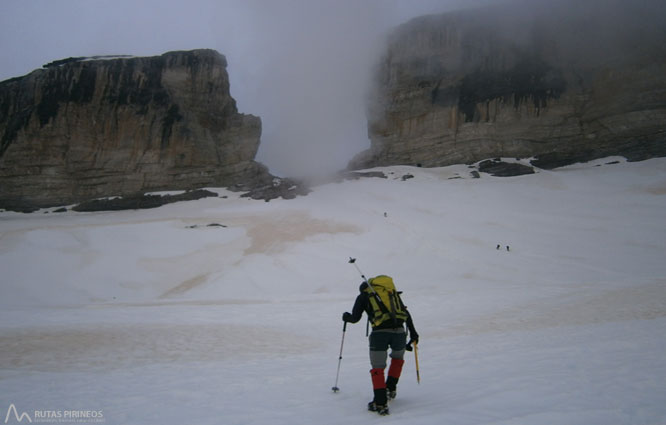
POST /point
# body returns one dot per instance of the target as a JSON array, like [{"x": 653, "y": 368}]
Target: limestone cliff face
[
  {"x": 86, "y": 128},
  {"x": 563, "y": 82}
]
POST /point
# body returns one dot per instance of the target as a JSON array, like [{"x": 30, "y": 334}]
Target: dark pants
[{"x": 381, "y": 341}]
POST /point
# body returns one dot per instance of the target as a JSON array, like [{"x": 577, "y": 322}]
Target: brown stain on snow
[{"x": 270, "y": 235}]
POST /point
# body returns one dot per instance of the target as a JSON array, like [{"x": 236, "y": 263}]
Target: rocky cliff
[
  {"x": 563, "y": 81},
  {"x": 84, "y": 128}
]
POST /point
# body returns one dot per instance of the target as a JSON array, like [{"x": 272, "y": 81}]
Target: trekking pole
[
  {"x": 353, "y": 261},
  {"x": 416, "y": 358},
  {"x": 342, "y": 344},
  {"x": 374, "y": 293}
]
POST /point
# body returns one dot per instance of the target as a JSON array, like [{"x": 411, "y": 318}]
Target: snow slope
[{"x": 153, "y": 317}]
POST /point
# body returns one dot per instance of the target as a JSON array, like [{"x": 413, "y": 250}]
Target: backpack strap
[
  {"x": 373, "y": 296},
  {"x": 382, "y": 313}
]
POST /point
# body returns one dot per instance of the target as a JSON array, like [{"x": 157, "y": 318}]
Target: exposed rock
[
  {"x": 522, "y": 81},
  {"x": 504, "y": 169},
  {"x": 551, "y": 160},
  {"x": 87, "y": 128},
  {"x": 279, "y": 188},
  {"x": 137, "y": 202},
  {"x": 355, "y": 175},
  {"x": 197, "y": 226}
]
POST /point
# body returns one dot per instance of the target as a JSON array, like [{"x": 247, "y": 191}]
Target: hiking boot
[
  {"x": 381, "y": 409},
  {"x": 391, "y": 385},
  {"x": 394, "y": 376},
  {"x": 380, "y": 397}
]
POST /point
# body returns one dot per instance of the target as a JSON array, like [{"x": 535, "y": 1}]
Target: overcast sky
[{"x": 301, "y": 65}]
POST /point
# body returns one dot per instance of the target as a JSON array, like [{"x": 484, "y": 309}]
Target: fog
[{"x": 303, "y": 66}]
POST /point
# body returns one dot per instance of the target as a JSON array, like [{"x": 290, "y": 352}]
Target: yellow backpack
[{"x": 385, "y": 301}]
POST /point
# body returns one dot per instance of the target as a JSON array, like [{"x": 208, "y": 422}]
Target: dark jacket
[{"x": 362, "y": 304}]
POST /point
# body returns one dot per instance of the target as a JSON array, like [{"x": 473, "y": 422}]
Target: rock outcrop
[
  {"x": 140, "y": 202},
  {"x": 84, "y": 128},
  {"x": 499, "y": 168},
  {"x": 562, "y": 81}
]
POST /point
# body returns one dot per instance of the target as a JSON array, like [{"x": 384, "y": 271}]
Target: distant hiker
[
  {"x": 498, "y": 247},
  {"x": 388, "y": 316},
  {"x": 507, "y": 248}
]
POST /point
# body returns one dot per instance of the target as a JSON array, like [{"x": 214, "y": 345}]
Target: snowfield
[{"x": 154, "y": 317}]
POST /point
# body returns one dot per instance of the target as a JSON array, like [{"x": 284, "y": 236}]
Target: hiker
[{"x": 388, "y": 316}]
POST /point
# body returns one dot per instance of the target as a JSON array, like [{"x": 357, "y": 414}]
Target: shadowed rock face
[
  {"x": 563, "y": 81},
  {"x": 86, "y": 128}
]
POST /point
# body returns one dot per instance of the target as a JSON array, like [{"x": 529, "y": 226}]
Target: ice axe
[{"x": 416, "y": 359}]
